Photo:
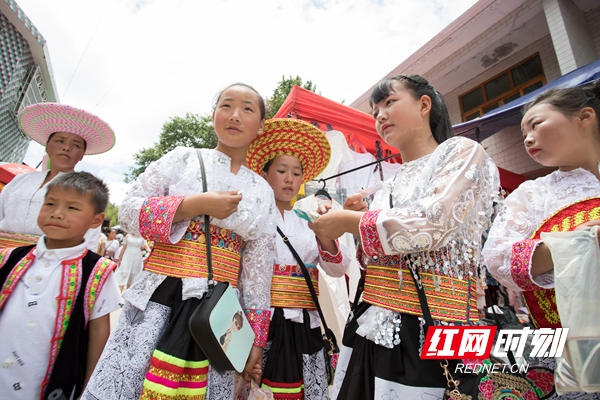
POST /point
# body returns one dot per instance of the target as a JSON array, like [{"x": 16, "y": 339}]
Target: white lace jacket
[
  {"x": 442, "y": 203},
  {"x": 162, "y": 187},
  {"x": 525, "y": 210}
]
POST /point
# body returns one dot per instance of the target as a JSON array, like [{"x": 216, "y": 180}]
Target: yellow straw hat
[{"x": 292, "y": 137}]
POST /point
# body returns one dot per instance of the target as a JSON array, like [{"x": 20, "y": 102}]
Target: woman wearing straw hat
[
  {"x": 68, "y": 133},
  {"x": 288, "y": 153}
]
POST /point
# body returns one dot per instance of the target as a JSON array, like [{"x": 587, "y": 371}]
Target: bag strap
[
  {"x": 359, "y": 289},
  {"x": 211, "y": 282},
  {"x": 427, "y": 312},
  {"x": 422, "y": 297},
  {"x": 309, "y": 283}
]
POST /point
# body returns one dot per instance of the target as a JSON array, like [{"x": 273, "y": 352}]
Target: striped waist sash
[
  {"x": 449, "y": 299},
  {"x": 187, "y": 258},
  {"x": 11, "y": 239},
  {"x": 289, "y": 288}
]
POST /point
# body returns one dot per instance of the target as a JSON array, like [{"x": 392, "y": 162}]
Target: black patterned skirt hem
[{"x": 291, "y": 346}]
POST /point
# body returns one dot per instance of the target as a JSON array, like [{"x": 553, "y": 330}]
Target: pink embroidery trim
[
  {"x": 259, "y": 320},
  {"x": 69, "y": 288},
  {"x": 102, "y": 270},
  {"x": 368, "y": 232},
  {"x": 4, "y": 255},
  {"x": 520, "y": 263},
  {"x": 15, "y": 276},
  {"x": 328, "y": 257},
  {"x": 156, "y": 217}
]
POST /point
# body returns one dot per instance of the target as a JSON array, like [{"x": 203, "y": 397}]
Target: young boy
[{"x": 56, "y": 296}]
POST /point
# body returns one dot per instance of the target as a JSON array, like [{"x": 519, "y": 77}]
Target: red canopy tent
[
  {"x": 9, "y": 170},
  {"x": 357, "y": 126}
]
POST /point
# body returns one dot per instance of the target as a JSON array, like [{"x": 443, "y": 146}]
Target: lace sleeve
[
  {"x": 258, "y": 258},
  {"x": 148, "y": 204},
  {"x": 454, "y": 193},
  {"x": 508, "y": 249}
]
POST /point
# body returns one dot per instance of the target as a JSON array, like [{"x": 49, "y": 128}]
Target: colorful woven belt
[
  {"x": 448, "y": 304},
  {"x": 187, "y": 258},
  {"x": 289, "y": 289},
  {"x": 11, "y": 239}
]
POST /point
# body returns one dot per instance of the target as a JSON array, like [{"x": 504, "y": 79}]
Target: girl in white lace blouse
[
  {"x": 291, "y": 152},
  {"x": 560, "y": 129},
  {"x": 150, "y": 353},
  {"x": 430, "y": 218}
]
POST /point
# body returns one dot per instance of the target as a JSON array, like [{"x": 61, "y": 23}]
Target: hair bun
[{"x": 594, "y": 88}]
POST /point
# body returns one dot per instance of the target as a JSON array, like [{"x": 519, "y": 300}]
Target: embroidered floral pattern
[
  {"x": 368, "y": 232},
  {"x": 156, "y": 217},
  {"x": 542, "y": 379},
  {"x": 259, "y": 321},
  {"x": 332, "y": 258},
  {"x": 486, "y": 387},
  {"x": 520, "y": 262},
  {"x": 530, "y": 395}
]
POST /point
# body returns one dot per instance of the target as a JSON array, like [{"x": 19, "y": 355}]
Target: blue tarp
[{"x": 510, "y": 113}]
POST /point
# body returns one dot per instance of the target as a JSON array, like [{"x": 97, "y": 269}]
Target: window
[{"x": 505, "y": 87}]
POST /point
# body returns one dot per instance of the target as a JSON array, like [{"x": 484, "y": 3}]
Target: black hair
[
  {"x": 270, "y": 162},
  {"x": 439, "y": 119},
  {"x": 570, "y": 100},
  {"x": 84, "y": 142},
  {"x": 84, "y": 183},
  {"x": 261, "y": 101},
  {"x": 238, "y": 316}
]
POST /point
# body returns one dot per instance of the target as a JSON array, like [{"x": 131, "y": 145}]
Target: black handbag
[
  {"x": 329, "y": 342},
  {"x": 209, "y": 323},
  {"x": 536, "y": 384}
]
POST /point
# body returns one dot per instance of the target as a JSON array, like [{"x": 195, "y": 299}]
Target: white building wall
[
  {"x": 592, "y": 18},
  {"x": 506, "y": 146},
  {"x": 570, "y": 34},
  {"x": 549, "y": 63},
  {"x": 481, "y": 40}
]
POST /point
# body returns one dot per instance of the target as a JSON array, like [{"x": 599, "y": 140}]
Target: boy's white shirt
[{"x": 28, "y": 317}]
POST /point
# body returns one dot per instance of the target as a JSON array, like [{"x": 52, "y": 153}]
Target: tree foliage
[
  {"x": 197, "y": 131},
  {"x": 284, "y": 87},
  {"x": 192, "y": 130},
  {"x": 112, "y": 214}
]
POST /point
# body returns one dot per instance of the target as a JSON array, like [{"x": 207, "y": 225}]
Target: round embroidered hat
[
  {"x": 292, "y": 137},
  {"x": 39, "y": 121}
]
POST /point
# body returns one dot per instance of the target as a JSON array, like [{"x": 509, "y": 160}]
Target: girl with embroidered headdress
[
  {"x": 151, "y": 353},
  {"x": 428, "y": 218},
  {"x": 560, "y": 129},
  {"x": 288, "y": 153}
]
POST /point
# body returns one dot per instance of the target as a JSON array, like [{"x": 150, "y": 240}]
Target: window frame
[{"x": 501, "y": 98}]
